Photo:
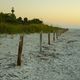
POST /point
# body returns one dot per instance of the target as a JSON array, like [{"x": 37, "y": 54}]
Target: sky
[{"x": 53, "y": 12}]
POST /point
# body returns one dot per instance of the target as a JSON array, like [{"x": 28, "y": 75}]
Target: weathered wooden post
[
  {"x": 20, "y": 50},
  {"x": 53, "y": 36},
  {"x": 60, "y": 32},
  {"x": 57, "y": 35},
  {"x": 49, "y": 38},
  {"x": 40, "y": 41}
]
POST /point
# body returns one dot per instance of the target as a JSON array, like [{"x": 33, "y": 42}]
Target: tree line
[{"x": 11, "y": 18}]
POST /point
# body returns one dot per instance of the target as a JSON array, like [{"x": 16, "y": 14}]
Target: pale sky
[{"x": 58, "y": 12}]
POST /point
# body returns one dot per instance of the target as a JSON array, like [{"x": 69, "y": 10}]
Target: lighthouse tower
[{"x": 12, "y": 10}]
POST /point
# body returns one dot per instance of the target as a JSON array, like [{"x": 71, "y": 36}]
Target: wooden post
[
  {"x": 56, "y": 35},
  {"x": 40, "y": 41},
  {"x": 60, "y": 31},
  {"x": 53, "y": 36},
  {"x": 49, "y": 38},
  {"x": 20, "y": 50}
]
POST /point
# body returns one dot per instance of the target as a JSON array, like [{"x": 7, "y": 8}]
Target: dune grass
[{"x": 30, "y": 28}]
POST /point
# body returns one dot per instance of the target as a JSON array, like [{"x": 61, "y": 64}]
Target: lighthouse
[{"x": 12, "y": 10}]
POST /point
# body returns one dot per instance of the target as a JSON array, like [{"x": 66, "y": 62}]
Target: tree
[
  {"x": 19, "y": 20},
  {"x": 1, "y": 17},
  {"x": 37, "y": 21},
  {"x": 7, "y": 17},
  {"x": 25, "y": 20},
  {"x": 10, "y": 18}
]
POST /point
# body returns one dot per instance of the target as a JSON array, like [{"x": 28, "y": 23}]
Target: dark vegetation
[{"x": 10, "y": 24}]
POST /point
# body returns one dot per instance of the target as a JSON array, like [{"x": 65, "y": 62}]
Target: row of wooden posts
[{"x": 55, "y": 37}]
